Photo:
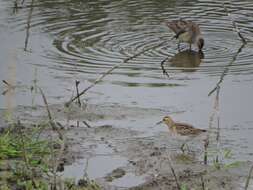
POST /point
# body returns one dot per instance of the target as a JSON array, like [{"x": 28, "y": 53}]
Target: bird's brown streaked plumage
[
  {"x": 182, "y": 129},
  {"x": 187, "y": 31}
]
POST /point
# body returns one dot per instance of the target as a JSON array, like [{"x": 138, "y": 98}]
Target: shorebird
[
  {"x": 187, "y": 31},
  {"x": 182, "y": 130}
]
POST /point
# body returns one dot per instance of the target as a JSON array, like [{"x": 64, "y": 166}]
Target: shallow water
[{"x": 77, "y": 40}]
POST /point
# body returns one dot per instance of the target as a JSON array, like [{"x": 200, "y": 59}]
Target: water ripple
[{"x": 94, "y": 36}]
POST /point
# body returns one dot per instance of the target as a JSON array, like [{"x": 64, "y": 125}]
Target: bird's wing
[
  {"x": 186, "y": 129},
  {"x": 179, "y": 26},
  {"x": 184, "y": 126}
]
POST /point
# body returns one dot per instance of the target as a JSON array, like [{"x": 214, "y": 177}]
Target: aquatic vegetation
[{"x": 27, "y": 161}]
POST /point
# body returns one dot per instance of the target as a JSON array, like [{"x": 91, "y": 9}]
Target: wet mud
[{"x": 121, "y": 157}]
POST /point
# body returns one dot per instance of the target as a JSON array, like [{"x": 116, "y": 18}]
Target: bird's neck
[{"x": 170, "y": 124}]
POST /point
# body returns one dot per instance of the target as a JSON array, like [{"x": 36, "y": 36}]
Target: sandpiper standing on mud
[
  {"x": 187, "y": 31},
  {"x": 182, "y": 130}
]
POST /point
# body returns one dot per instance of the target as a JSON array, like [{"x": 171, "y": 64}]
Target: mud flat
[{"x": 110, "y": 145}]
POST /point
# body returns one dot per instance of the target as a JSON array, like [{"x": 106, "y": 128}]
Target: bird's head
[{"x": 168, "y": 120}]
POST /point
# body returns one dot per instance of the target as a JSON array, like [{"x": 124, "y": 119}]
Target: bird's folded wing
[{"x": 179, "y": 27}]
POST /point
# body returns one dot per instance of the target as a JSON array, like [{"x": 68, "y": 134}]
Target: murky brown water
[{"x": 78, "y": 40}]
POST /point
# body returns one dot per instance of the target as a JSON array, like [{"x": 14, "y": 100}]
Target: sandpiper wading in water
[
  {"x": 188, "y": 32},
  {"x": 182, "y": 129}
]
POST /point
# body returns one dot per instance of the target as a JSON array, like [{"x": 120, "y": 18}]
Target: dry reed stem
[
  {"x": 173, "y": 171},
  {"x": 51, "y": 121},
  {"x": 248, "y": 178},
  {"x": 202, "y": 182},
  {"x": 56, "y": 160},
  {"x": 234, "y": 25}
]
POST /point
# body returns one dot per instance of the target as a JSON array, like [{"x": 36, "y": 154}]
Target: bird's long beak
[{"x": 158, "y": 123}]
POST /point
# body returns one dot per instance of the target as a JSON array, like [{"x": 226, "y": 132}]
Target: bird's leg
[
  {"x": 178, "y": 46},
  {"x": 182, "y": 147},
  {"x": 190, "y": 46},
  {"x": 188, "y": 149}
]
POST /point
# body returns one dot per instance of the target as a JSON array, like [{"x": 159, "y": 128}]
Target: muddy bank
[
  {"x": 121, "y": 155},
  {"x": 147, "y": 161}
]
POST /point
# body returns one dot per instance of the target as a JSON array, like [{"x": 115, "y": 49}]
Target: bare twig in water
[
  {"x": 248, "y": 178},
  {"x": 163, "y": 69},
  {"x": 88, "y": 125},
  {"x": 234, "y": 24},
  {"x": 235, "y": 56},
  {"x": 224, "y": 73},
  {"x": 28, "y": 25},
  {"x": 216, "y": 107},
  {"x": 77, "y": 93},
  {"x": 100, "y": 78}
]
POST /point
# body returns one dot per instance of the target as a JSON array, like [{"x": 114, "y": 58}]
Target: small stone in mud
[
  {"x": 156, "y": 153},
  {"x": 115, "y": 174}
]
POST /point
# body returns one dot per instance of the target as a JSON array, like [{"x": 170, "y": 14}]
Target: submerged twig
[
  {"x": 28, "y": 25},
  {"x": 234, "y": 25},
  {"x": 248, "y": 178},
  {"x": 110, "y": 70}
]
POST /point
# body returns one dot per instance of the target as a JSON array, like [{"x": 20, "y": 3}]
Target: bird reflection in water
[{"x": 188, "y": 60}]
